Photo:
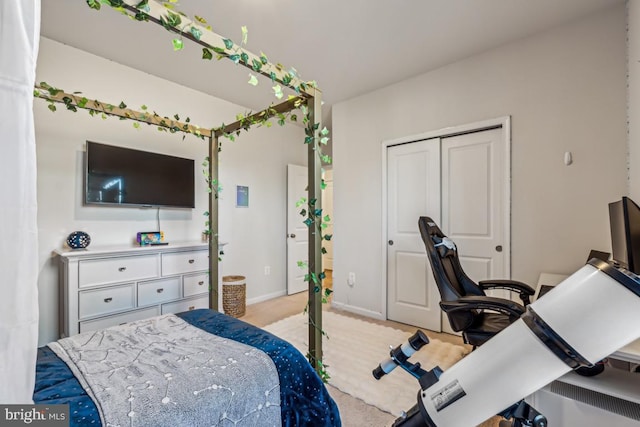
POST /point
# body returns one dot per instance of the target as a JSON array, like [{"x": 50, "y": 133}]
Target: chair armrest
[
  {"x": 522, "y": 289},
  {"x": 469, "y": 303}
]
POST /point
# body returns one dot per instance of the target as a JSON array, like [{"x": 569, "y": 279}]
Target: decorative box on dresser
[{"x": 102, "y": 287}]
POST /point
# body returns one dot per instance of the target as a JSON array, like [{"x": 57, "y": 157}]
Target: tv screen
[
  {"x": 126, "y": 177},
  {"x": 624, "y": 219}
]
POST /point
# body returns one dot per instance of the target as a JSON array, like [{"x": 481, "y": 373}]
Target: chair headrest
[{"x": 445, "y": 246}]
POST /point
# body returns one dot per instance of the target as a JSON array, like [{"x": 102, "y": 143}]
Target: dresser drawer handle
[
  {"x": 159, "y": 290},
  {"x": 108, "y": 299},
  {"x": 122, "y": 268},
  {"x": 193, "y": 307},
  {"x": 191, "y": 261},
  {"x": 200, "y": 283}
]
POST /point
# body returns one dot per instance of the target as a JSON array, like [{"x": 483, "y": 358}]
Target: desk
[{"x": 629, "y": 353}]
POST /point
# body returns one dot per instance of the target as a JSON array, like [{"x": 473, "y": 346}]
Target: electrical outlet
[
  {"x": 351, "y": 279},
  {"x": 267, "y": 270}
]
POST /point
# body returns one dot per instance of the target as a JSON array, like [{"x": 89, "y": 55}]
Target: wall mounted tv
[{"x": 126, "y": 177}]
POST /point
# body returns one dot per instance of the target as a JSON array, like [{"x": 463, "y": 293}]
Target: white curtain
[{"x": 19, "y": 37}]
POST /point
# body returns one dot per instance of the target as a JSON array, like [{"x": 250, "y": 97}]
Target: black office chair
[{"x": 468, "y": 308}]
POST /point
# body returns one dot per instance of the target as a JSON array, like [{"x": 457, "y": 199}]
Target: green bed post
[
  {"x": 213, "y": 223},
  {"x": 315, "y": 234}
]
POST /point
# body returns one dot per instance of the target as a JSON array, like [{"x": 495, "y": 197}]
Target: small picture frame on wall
[{"x": 242, "y": 196}]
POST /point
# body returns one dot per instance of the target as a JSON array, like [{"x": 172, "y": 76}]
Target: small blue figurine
[{"x": 78, "y": 240}]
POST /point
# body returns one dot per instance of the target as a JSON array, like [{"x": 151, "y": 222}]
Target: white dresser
[{"x": 102, "y": 287}]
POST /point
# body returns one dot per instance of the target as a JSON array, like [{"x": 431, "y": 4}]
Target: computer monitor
[{"x": 624, "y": 219}]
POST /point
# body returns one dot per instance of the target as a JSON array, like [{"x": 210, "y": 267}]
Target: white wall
[
  {"x": 565, "y": 91},
  {"x": 257, "y": 159},
  {"x": 633, "y": 97}
]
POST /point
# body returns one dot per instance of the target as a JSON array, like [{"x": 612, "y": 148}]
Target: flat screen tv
[
  {"x": 624, "y": 219},
  {"x": 126, "y": 177}
]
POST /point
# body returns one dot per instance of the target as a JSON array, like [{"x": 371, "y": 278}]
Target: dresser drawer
[
  {"x": 105, "y": 322},
  {"x": 186, "y": 305},
  {"x": 195, "y": 284},
  {"x": 158, "y": 291},
  {"x": 184, "y": 262},
  {"x": 106, "y": 300},
  {"x": 119, "y": 269}
]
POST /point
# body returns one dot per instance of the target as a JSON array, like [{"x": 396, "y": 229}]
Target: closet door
[
  {"x": 474, "y": 194},
  {"x": 413, "y": 190}
]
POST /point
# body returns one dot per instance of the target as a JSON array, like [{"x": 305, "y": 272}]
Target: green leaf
[
  {"x": 324, "y": 131},
  {"x": 326, "y": 218},
  {"x": 256, "y": 65},
  {"x": 253, "y": 80},
  {"x": 273, "y": 77},
  {"x": 324, "y": 140},
  {"x": 136, "y": 125},
  {"x": 263, "y": 58},
  {"x": 122, "y": 105},
  {"x": 323, "y": 185},
  {"x": 52, "y": 107},
  {"x": 301, "y": 202},
  {"x": 308, "y": 222},
  {"x": 245, "y": 34},
  {"x": 177, "y": 44},
  {"x": 206, "y": 54},
  {"x": 196, "y": 33},
  {"x": 82, "y": 102},
  {"x": 235, "y": 58},
  {"x": 244, "y": 57},
  {"x": 200, "y": 19},
  {"x": 93, "y": 4},
  {"x": 143, "y": 107},
  {"x": 277, "y": 89},
  {"x": 327, "y": 237},
  {"x": 228, "y": 43},
  {"x": 173, "y": 19},
  {"x": 317, "y": 212}
]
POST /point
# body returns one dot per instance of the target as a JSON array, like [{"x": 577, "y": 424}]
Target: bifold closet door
[{"x": 413, "y": 190}]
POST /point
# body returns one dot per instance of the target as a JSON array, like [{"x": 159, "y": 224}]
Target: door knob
[
  {"x": 390, "y": 242},
  {"x": 293, "y": 236},
  {"x": 499, "y": 248}
]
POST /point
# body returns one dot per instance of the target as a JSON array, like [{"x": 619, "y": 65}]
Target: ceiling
[{"x": 349, "y": 47}]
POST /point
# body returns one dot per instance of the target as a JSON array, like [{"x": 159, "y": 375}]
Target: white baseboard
[
  {"x": 267, "y": 297},
  {"x": 357, "y": 310}
]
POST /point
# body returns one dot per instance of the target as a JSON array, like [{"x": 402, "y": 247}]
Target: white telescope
[{"x": 590, "y": 315}]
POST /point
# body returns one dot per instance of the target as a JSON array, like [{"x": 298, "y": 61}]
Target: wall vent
[{"x": 612, "y": 404}]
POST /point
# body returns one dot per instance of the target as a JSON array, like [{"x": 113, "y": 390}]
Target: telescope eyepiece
[{"x": 418, "y": 340}]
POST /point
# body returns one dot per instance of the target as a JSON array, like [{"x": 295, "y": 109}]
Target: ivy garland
[{"x": 172, "y": 21}]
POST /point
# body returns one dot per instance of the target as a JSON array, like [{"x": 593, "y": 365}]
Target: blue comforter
[{"x": 303, "y": 398}]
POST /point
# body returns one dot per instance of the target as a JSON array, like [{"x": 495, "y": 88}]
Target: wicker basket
[{"x": 234, "y": 295}]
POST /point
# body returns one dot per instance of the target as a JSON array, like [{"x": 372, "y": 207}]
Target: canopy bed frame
[{"x": 307, "y": 94}]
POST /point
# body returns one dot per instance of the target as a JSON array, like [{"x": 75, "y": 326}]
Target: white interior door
[
  {"x": 413, "y": 190},
  {"x": 297, "y": 231},
  {"x": 474, "y": 195}
]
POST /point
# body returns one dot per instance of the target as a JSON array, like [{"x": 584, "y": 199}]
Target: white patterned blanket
[{"x": 164, "y": 372}]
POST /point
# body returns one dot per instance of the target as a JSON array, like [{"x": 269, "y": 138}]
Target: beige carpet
[{"x": 355, "y": 347}]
